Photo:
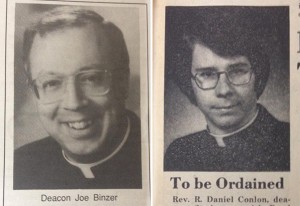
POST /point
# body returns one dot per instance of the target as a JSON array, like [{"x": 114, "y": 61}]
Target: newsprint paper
[
  {"x": 77, "y": 81},
  {"x": 74, "y": 89},
  {"x": 226, "y": 103}
]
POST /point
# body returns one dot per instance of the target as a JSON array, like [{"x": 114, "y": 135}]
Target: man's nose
[
  {"x": 224, "y": 87},
  {"x": 73, "y": 98}
]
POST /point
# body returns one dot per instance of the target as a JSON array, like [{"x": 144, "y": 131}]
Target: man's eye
[
  {"x": 238, "y": 71},
  {"x": 207, "y": 74},
  {"x": 51, "y": 84},
  {"x": 95, "y": 79}
]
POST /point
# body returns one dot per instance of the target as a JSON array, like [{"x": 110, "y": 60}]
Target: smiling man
[
  {"x": 78, "y": 69},
  {"x": 222, "y": 66}
]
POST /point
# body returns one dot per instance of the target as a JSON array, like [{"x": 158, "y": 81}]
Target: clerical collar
[
  {"x": 86, "y": 168},
  {"x": 219, "y": 137}
]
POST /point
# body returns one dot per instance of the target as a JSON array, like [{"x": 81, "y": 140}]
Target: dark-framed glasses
[
  {"x": 209, "y": 78},
  {"x": 50, "y": 88}
]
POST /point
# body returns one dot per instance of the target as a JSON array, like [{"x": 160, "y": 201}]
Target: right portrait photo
[{"x": 226, "y": 92}]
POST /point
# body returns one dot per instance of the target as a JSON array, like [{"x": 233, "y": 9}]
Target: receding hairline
[
  {"x": 99, "y": 30},
  {"x": 63, "y": 18}
]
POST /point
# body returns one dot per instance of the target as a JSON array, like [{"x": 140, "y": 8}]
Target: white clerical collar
[
  {"x": 219, "y": 137},
  {"x": 86, "y": 168}
]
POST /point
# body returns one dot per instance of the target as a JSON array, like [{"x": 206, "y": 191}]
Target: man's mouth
[
  {"x": 80, "y": 125},
  {"x": 225, "y": 108}
]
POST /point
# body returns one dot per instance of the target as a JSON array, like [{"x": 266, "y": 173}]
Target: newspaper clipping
[
  {"x": 227, "y": 73},
  {"x": 76, "y": 107}
]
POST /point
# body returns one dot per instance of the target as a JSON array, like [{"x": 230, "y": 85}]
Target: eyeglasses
[
  {"x": 50, "y": 88},
  {"x": 237, "y": 75}
]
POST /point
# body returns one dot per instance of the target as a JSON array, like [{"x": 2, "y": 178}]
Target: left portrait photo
[{"x": 79, "y": 107}]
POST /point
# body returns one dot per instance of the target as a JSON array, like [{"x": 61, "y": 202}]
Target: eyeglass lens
[
  {"x": 208, "y": 79},
  {"x": 51, "y": 88}
]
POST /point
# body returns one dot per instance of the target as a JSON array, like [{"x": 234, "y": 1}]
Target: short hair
[
  {"x": 227, "y": 31},
  {"x": 69, "y": 17}
]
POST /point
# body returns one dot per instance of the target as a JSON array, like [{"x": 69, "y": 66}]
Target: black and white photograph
[
  {"x": 77, "y": 104},
  {"x": 226, "y": 95}
]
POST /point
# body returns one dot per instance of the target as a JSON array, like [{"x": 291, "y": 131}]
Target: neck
[{"x": 232, "y": 129}]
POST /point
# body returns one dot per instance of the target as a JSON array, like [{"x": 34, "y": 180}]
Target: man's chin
[
  {"x": 228, "y": 123},
  {"x": 82, "y": 147}
]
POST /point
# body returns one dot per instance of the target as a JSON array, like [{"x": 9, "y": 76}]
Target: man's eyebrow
[
  {"x": 93, "y": 67},
  {"x": 85, "y": 68},
  {"x": 205, "y": 69},
  {"x": 238, "y": 64},
  {"x": 49, "y": 73}
]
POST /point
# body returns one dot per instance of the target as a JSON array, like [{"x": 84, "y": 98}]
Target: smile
[{"x": 80, "y": 125}]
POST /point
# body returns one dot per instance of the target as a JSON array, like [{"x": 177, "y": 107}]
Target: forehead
[
  {"x": 203, "y": 57},
  {"x": 69, "y": 49}
]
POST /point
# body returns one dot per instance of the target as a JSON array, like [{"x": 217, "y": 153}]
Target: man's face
[
  {"x": 226, "y": 107},
  {"x": 80, "y": 123}
]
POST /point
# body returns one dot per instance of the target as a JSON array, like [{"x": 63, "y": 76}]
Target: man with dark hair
[
  {"x": 220, "y": 63},
  {"x": 78, "y": 68}
]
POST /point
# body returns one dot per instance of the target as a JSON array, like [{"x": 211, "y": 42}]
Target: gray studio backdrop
[{"x": 27, "y": 127}]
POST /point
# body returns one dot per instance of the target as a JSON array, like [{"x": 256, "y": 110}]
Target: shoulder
[
  {"x": 181, "y": 149},
  {"x": 135, "y": 122},
  {"x": 38, "y": 145},
  {"x": 188, "y": 140},
  {"x": 276, "y": 137},
  {"x": 37, "y": 149},
  {"x": 33, "y": 163},
  {"x": 269, "y": 124},
  {"x": 274, "y": 131},
  {"x": 132, "y": 116}
]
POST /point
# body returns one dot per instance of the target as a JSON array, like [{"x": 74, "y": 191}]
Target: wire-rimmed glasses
[
  {"x": 208, "y": 78},
  {"x": 50, "y": 88}
]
